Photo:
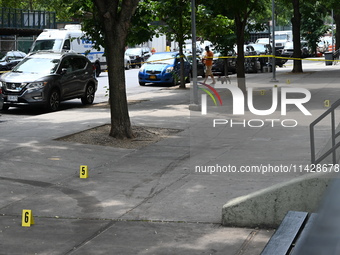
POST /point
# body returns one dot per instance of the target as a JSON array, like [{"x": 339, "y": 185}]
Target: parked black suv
[{"x": 46, "y": 79}]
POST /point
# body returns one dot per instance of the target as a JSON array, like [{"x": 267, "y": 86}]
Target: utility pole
[
  {"x": 194, "y": 59},
  {"x": 273, "y": 44}
]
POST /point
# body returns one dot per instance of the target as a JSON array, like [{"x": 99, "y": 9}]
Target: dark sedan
[
  {"x": 9, "y": 59},
  {"x": 200, "y": 65}
]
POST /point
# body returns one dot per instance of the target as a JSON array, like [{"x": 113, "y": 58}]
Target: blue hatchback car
[{"x": 163, "y": 68}]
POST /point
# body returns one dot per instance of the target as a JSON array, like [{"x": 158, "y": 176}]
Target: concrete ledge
[{"x": 267, "y": 207}]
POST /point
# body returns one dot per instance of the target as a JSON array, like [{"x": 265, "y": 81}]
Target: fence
[
  {"x": 18, "y": 18},
  {"x": 13, "y": 42}
]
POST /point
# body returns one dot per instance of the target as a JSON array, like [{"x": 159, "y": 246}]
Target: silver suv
[{"x": 46, "y": 79}]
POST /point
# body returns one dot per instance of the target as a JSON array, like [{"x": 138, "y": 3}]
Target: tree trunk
[
  {"x": 116, "y": 17},
  {"x": 182, "y": 78},
  {"x": 180, "y": 44},
  {"x": 241, "y": 77},
  {"x": 296, "y": 22},
  {"x": 120, "y": 120},
  {"x": 337, "y": 25}
]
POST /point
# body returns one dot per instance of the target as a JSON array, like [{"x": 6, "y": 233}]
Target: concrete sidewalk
[{"x": 151, "y": 200}]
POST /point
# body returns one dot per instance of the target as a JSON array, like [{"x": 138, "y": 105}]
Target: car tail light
[{"x": 0, "y": 90}]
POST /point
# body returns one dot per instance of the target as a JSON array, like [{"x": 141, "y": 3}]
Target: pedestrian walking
[{"x": 208, "y": 61}]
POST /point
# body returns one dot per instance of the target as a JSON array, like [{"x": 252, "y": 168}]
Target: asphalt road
[
  {"x": 132, "y": 85},
  {"x": 132, "y": 88}
]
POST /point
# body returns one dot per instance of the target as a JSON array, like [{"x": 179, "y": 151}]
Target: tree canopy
[
  {"x": 241, "y": 12},
  {"x": 313, "y": 26}
]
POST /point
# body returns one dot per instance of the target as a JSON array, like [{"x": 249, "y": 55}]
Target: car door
[
  {"x": 81, "y": 73},
  {"x": 1, "y": 101},
  {"x": 69, "y": 82},
  {"x": 187, "y": 67},
  {"x": 177, "y": 65}
]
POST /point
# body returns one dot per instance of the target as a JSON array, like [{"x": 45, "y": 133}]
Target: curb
[{"x": 267, "y": 207}]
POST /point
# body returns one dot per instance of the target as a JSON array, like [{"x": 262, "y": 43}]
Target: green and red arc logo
[{"x": 211, "y": 94}]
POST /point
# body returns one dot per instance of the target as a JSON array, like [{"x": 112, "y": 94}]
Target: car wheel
[
  {"x": 53, "y": 101},
  {"x": 89, "y": 95},
  {"x": 173, "y": 83},
  {"x": 142, "y": 83},
  {"x": 255, "y": 67}
]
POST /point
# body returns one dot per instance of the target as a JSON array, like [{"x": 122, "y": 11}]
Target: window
[
  {"x": 66, "y": 64},
  {"x": 67, "y": 45},
  {"x": 78, "y": 63},
  {"x": 53, "y": 44},
  {"x": 37, "y": 65}
]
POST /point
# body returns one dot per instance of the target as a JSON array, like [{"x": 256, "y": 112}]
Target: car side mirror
[{"x": 63, "y": 71}]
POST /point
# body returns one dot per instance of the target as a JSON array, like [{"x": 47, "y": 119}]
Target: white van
[
  {"x": 282, "y": 37},
  {"x": 71, "y": 38}
]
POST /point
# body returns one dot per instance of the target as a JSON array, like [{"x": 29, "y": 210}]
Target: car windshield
[
  {"x": 259, "y": 47},
  {"x": 262, "y": 40},
  {"x": 54, "y": 44},
  {"x": 281, "y": 37},
  {"x": 135, "y": 51},
  {"x": 37, "y": 65},
  {"x": 162, "y": 58},
  {"x": 289, "y": 45}
]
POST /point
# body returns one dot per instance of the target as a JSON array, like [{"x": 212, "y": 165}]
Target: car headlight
[
  {"x": 169, "y": 69},
  {"x": 36, "y": 85}
]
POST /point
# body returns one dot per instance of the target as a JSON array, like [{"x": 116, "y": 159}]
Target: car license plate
[
  {"x": 12, "y": 98},
  {"x": 152, "y": 77}
]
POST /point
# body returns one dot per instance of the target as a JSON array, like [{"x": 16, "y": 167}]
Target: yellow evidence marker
[
  {"x": 84, "y": 173},
  {"x": 27, "y": 218},
  {"x": 327, "y": 103},
  {"x": 263, "y": 92}
]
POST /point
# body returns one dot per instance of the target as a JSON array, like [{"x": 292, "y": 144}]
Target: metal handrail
[{"x": 334, "y": 135}]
